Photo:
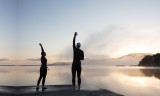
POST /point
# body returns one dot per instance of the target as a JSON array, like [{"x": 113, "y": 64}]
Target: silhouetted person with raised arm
[
  {"x": 43, "y": 69},
  {"x": 78, "y": 55}
]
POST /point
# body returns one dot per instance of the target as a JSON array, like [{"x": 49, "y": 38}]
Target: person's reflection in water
[
  {"x": 43, "y": 69},
  {"x": 78, "y": 55}
]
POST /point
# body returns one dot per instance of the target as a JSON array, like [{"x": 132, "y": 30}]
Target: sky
[{"x": 106, "y": 28}]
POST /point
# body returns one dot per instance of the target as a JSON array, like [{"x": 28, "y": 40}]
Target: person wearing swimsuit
[
  {"x": 43, "y": 69},
  {"x": 78, "y": 55}
]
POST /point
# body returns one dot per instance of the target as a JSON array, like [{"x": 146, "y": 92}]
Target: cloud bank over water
[
  {"x": 4, "y": 59},
  {"x": 33, "y": 59}
]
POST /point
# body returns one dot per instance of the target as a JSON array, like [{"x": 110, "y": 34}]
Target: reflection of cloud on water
[
  {"x": 32, "y": 71},
  {"x": 126, "y": 85},
  {"x": 126, "y": 81},
  {"x": 4, "y": 71}
]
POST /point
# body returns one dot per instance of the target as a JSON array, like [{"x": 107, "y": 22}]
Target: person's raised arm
[
  {"x": 41, "y": 47},
  {"x": 74, "y": 40}
]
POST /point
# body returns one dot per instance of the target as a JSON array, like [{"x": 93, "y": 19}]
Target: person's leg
[
  {"x": 39, "y": 80},
  {"x": 73, "y": 76},
  {"x": 44, "y": 77},
  {"x": 79, "y": 76}
]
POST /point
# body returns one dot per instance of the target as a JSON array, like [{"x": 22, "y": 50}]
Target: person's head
[
  {"x": 78, "y": 45},
  {"x": 43, "y": 53}
]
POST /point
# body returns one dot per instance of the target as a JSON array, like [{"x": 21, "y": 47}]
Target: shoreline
[{"x": 56, "y": 90}]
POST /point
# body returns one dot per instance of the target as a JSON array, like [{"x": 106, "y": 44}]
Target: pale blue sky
[
  {"x": 7, "y": 28},
  {"x": 106, "y": 27}
]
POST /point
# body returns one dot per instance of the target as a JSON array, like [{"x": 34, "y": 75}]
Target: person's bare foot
[
  {"x": 79, "y": 88},
  {"x": 37, "y": 88},
  {"x": 73, "y": 88},
  {"x": 44, "y": 87}
]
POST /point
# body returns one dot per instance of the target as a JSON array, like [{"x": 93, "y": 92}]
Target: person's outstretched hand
[
  {"x": 40, "y": 44},
  {"x": 75, "y": 34}
]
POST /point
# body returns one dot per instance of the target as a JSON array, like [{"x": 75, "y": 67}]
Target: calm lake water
[{"x": 129, "y": 81}]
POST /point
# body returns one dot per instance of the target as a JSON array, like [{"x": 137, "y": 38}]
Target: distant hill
[
  {"x": 127, "y": 60},
  {"x": 131, "y": 59},
  {"x": 134, "y": 55}
]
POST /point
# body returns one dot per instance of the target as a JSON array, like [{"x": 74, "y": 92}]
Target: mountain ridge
[{"x": 134, "y": 55}]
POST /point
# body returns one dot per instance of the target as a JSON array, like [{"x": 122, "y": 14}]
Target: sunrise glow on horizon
[{"x": 105, "y": 28}]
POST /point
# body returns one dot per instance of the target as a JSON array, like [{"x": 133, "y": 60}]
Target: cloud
[
  {"x": 66, "y": 54},
  {"x": 107, "y": 41},
  {"x": 101, "y": 43},
  {"x": 116, "y": 41},
  {"x": 4, "y": 59},
  {"x": 33, "y": 59}
]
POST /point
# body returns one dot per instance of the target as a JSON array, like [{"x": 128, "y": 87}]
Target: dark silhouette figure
[
  {"x": 78, "y": 55},
  {"x": 43, "y": 69}
]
